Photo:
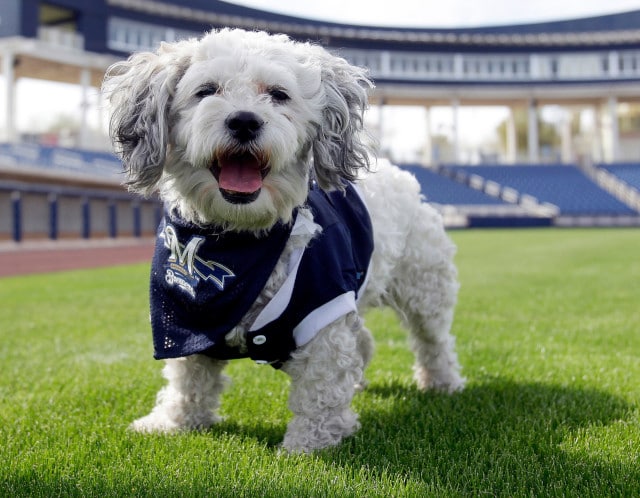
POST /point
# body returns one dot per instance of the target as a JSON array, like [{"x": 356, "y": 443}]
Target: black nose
[{"x": 244, "y": 126}]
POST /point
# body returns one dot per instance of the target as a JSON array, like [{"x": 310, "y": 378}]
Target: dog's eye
[
  {"x": 207, "y": 90},
  {"x": 278, "y": 95}
]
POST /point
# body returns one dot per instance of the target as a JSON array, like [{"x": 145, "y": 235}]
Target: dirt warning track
[{"x": 53, "y": 256}]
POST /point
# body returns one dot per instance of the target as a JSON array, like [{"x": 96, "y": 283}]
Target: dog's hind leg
[
  {"x": 412, "y": 271},
  {"x": 190, "y": 398},
  {"x": 424, "y": 293},
  {"x": 324, "y": 375}
]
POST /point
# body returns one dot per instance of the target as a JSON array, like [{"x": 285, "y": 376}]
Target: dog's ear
[
  {"x": 140, "y": 92},
  {"x": 340, "y": 150}
]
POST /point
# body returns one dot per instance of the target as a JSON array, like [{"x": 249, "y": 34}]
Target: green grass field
[{"x": 547, "y": 328}]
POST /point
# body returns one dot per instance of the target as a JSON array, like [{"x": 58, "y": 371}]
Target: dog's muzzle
[
  {"x": 239, "y": 176},
  {"x": 240, "y": 173}
]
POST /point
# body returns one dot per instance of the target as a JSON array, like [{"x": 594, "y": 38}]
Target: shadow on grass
[
  {"x": 499, "y": 438},
  {"x": 266, "y": 435}
]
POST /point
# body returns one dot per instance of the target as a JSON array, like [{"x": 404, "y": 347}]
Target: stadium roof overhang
[
  {"x": 614, "y": 30},
  {"x": 33, "y": 58}
]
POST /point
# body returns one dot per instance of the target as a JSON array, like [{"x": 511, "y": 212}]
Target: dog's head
[{"x": 229, "y": 128}]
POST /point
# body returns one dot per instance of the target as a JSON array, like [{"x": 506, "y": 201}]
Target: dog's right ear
[{"x": 140, "y": 91}]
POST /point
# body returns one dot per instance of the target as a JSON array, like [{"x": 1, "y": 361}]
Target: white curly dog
[{"x": 255, "y": 145}]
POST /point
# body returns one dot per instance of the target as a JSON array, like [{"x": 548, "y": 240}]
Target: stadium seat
[
  {"x": 442, "y": 190},
  {"x": 627, "y": 172},
  {"x": 564, "y": 186}
]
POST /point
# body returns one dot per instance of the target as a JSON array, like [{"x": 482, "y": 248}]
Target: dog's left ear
[{"x": 339, "y": 150}]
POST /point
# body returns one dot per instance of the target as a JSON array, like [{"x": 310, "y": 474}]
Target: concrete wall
[{"x": 36, "y": 211}]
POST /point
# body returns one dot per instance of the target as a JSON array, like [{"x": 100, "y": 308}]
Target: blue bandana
[{"x": 203, "y": 282}]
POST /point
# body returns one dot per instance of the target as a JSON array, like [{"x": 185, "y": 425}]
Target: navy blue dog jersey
[{"x": 204, "y": 281}]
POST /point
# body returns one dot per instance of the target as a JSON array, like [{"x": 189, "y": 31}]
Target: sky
[
  {"x": 39, "y": 105},
  {"x": 442, "y": 13}
]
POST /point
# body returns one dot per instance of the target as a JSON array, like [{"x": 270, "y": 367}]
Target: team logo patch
[{"x": 184, "y": 268}]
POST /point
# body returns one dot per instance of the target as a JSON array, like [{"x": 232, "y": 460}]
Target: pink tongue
[{"x": 240, "y": 174}]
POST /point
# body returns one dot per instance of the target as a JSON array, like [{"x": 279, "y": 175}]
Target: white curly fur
[{"x": 169, "y": 125}]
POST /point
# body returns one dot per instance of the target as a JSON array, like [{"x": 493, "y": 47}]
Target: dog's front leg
[
  {"x": 189, "y": 399},
  {"x": 324, "y": 375}
]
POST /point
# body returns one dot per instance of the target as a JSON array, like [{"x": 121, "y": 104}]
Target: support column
[
  {"x": 427, "y": 153},
  {"x": 609, "y": 130},
  {"x": 512, "y": 138},
  {"x": 85, "y": 83},
  {"x": 532, "y": 132},
  {"x": 8, "y": 62},
  {"x": 381, "y": 106},
  {"x": 455, "y": 104},
  {"x": 614, "y": 130},
  {"x": 598, "y": 148},
  {"x": 100, "y": 115},
  {"x": 566, "y": 138}
]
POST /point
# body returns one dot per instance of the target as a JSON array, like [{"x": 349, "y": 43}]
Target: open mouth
[{"x": 239, "y": 176}]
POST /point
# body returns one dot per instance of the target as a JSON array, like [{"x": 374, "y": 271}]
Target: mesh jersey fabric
[{"x": 203, "y": 281}]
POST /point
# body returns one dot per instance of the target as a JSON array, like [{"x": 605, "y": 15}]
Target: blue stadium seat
[
  {"x": 627, "y": 172},
  {"x": 442, "y": 190},
  {"x": 565, "y": 186}
]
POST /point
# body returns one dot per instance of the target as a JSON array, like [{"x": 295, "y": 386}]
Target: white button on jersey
[{"x": 259, "y": 340}]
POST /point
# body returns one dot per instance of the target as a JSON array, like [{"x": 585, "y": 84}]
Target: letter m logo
[
  {"x": 183, "y": 255},
  {"x": 185, "y": 259}
]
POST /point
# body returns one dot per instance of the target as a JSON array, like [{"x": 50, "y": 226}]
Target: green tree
[{"x": 548, "y": 135}]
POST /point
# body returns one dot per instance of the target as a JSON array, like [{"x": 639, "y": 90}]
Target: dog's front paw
[
  {"x": 160, "y": 423},
  {"x": 446, "y": 381},
  {"x": 154, "y": 423}
]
